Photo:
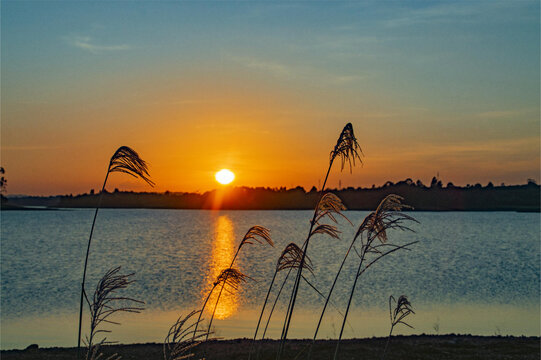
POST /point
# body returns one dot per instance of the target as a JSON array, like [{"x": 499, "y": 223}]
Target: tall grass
[
  {"x": 402, "y": 309},
  {"x": 257, "y": 234},
  {"x": 374, "y": 242},
  {"x": 104, "y": 305},
  {"x": 124, "y": 160},
  {"x": 348, "y": 151},
  {"x": 231, "y": 277},
  {"x": 290, "y": 258},
  {"x": 179, "y": 340}
]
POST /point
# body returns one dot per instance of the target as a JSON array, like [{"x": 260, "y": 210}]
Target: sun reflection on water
[{"x": 223, "y": 250}]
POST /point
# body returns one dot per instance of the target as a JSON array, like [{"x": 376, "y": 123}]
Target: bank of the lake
[{"x": 419, "y": 347}]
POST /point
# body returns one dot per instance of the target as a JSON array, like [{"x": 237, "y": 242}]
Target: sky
[{"x": 264, "y": 89}]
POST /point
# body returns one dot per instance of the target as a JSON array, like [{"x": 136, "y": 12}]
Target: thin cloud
[
  {"x": 462, "y": 12},
  {"x": 498, "y": 114},
  {"x": 88, "y": 44},
  {"x": 259, "y": 64}
]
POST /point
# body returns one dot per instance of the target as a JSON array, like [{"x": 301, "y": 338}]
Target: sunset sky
[{"x": 264, "y": 89}]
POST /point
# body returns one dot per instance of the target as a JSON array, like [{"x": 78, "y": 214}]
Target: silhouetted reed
[
  {"x": 180, "y": 341},
  {"x": 374, "y": 227},
  {"x": 124, "y": 160},
  {"x": 290, "y": 258},
  {"x": 230, "y": 277},
  {"x": 106, "y": 303},
  {"x": 348, "y": 151},
  {"x": 397, "y": 315},
  {"x": 257, "y": 234}
]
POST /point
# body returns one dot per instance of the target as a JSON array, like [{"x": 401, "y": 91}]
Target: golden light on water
[
  {"x": 223, "y": 250},
  {"x": 224, "y": 176}
]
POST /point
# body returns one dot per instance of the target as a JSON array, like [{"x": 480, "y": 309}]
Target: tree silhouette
[{"x": 3, "y": 181}]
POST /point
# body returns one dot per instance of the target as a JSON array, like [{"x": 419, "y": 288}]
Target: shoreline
[
  {"x": 450, "y": 346},
  {"x": 53, "y": 208}
]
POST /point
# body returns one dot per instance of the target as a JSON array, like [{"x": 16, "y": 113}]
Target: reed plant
[
  {"x": 348, "y": 151},
  {"x": 374, "y": 245},
  {"x": 289, "y": 259},
  {"x": 230, "y": 277},
  {"x": 397, "y": 314},
  {"x": 257, "y": 234},
  {"x": 124, "y": 160},
  {"x": 105, "y": 303},
  {"x": 179, "y": 341}
]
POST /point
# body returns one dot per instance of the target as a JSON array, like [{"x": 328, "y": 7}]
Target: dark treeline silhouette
[{"x": 433, "y": 197}]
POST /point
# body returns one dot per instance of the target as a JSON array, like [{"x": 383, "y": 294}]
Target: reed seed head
[
  {"x": 402, "y": 309},
  {"x": 330, "y": 205},
  {"x": 347, "y": 148},
  {"x": 258, "y": 234},
  {"x": 126, "y": 160},
  {"x": 387, "y": 216},
  {"x": 291, "y": 258},
  {"x": 326, "y": 229},
  {"x": 231, "y": 277}
]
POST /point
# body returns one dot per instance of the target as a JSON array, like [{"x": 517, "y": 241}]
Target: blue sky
[{"x": 432, "y": 86}]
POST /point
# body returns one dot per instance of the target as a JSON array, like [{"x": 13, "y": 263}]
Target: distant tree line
[{"x": 433, "y": 197}]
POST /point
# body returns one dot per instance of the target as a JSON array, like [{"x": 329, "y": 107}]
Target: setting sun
[{"x": 224, "y": 176}]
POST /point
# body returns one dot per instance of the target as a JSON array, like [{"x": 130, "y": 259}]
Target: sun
[{"x": 224, "y": 176}]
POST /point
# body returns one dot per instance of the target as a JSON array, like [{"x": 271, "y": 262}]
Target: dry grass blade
[
  {"x": 126, "y": 160},
  {"x": 180, "y": 339},
  {"x": 258, "y": 234},
  {"x": 347, "y": 148},
  {"x": 104, "y": 305},
  {"x": 231, "y": 277},
  {"x": 291, "y": 259}
]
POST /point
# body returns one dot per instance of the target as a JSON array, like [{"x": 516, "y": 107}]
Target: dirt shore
[{"x": 400, "y": 347}]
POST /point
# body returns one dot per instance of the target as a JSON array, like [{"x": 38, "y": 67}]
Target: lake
[{"x": 471, "y": 272}]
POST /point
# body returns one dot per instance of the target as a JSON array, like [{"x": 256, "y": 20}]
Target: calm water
[{"x": 471, "y": 272}]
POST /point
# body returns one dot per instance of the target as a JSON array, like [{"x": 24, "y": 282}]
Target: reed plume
[
  {"x": 179, "y": 341},
  {"x": 231, "y": 277},
  {"x": 257, "y": 234},
  {"x": 124, "y": 160},
  {"x": 401, "y": 310},
  {"x": 104, "y": 305},
  {"x": 348, "y": 150},
  {"x": 374, "y": 242},
  {"x": 291, "y": 259}
]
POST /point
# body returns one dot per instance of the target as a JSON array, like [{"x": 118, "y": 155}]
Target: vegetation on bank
[
  {"x": 433, "y": 197},
  {"x": 419, "y": 347}
]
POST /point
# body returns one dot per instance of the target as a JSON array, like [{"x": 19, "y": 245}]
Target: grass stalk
[
  {"x": 256, "y": 233},
  {"x": 261, "y": 315},
  {"x": 328, "y": 298},
  {"x": 397, "y": 316},
  {"x": 103, "y": 306},
  {"x": 127, "y": 161},
  {"x": 375, "y": 226},
  {"x": 347, "y": 149},
  {"x": 290, "y": 258},
  {"x": 229, "y": 276}
]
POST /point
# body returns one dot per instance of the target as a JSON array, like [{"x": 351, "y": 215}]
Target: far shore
[
  {"x": 400, "y": 347},
  {"x": 524, "y": 198}
]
